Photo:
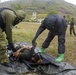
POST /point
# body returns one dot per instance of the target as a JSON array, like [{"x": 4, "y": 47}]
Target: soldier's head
[{"x": 21, "y": 14}]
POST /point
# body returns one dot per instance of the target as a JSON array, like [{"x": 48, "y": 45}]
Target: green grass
[{"x": 26, "y": 31}]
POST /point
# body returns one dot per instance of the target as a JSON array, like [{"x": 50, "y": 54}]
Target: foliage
[
  {"x": 53, "y": 12},
  {"x": 68, "y": 17},
  {"x": 62, "y": 7},
  {"x": 42, "y": 16},
  {"x": 17, "y": 6}
]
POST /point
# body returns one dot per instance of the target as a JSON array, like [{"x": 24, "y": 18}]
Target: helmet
[{"x": 21, "y": 14}]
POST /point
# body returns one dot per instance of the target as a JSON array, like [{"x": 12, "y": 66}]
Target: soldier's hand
[
  {"x": 34, "y": 43},
  {"x": 11, "y": 46}
]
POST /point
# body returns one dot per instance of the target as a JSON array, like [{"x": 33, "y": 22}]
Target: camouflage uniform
[
  {"x": 3, "y": 55},
  {"x": 8, "y": 18}
]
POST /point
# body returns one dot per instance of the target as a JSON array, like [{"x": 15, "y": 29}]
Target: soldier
[
  {"x": 72, "y": 27},
  {"x": 8, "y": 18},
  {"x": 56, "y": 26},
  {"x": 65, "y": 19}
]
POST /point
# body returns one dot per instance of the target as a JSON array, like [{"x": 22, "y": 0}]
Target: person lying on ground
[{"x": 28, "y": 53}]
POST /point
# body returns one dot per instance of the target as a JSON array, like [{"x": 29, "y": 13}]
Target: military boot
[{"x": 60, "y": 58}]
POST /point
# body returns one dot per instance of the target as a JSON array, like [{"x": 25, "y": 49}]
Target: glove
[
  {"x": 34, "y": 43},
  {"x": 11, "y": 46}
]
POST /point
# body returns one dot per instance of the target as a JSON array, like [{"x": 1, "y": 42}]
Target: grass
[{"x": 26, "y": 31}]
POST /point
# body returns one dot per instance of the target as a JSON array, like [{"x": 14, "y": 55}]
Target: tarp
[
  {"x": 5, "y": 71},
  {"x": 47, "y": 67}
]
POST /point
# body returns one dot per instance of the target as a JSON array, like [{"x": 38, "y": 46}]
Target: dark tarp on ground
[
  {"x": 48, "y": 67},
  {"x": 4, "y": 71}
]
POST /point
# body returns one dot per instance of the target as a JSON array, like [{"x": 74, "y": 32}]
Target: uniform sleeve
[
  {"x": 9, "y": 21},
  {"x": 39, "y": 31}
]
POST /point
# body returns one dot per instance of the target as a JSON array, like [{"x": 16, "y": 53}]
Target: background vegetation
[{"x": 42, "y": 7}]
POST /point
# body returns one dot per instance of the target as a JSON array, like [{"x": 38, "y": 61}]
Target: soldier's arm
[
  {"x": 9, "y": 19},
  {"x": 39, "y": 31}
]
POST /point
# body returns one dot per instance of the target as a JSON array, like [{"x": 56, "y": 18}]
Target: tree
[
  {"x": 17, "y": 6},
  {"x": 68, "y": 18},
  {"x": 52, "y": 12}
]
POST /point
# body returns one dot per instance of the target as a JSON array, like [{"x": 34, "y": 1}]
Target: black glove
[
  {"x": 34, "y": 43},
  {"x": 11, "y": 47}
]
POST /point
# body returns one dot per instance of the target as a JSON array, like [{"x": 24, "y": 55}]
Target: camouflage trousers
[{"x": 3, "y": 54}]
